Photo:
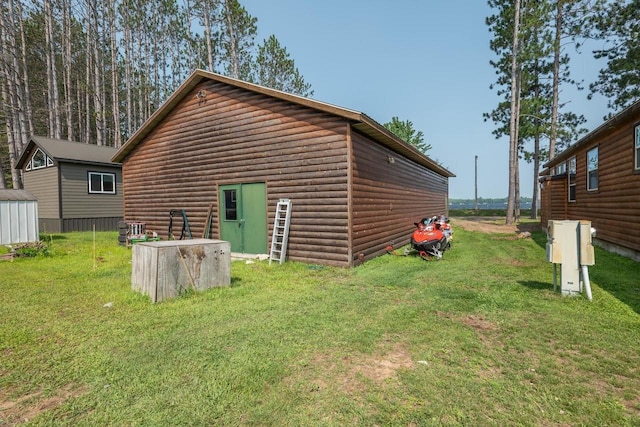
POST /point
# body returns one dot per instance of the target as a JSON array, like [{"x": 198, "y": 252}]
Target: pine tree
[
  {"x": 618, "y": 23},
  {"x": 405, "y": 131},
  {"x": 275, "y": 69}
]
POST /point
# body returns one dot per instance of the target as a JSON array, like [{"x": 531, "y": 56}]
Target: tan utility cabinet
[
  {"x": 569, "y": 243},
  {"x": 165, "y": 269}
]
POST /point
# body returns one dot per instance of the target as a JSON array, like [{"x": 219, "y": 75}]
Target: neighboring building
[
  {"x": 598, "y": 179},
  {"x": 231, "y": 149},
  {"x": 77, "y": 185},
  {"x": 18, "y": 217}
]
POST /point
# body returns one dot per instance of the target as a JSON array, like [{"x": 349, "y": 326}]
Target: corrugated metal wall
[{"x": 18, "y": 221}]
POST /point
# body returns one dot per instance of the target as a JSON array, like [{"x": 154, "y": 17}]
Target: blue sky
[{"x": 421, "y": 60}]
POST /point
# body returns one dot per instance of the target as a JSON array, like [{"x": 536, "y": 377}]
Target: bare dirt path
[{"x": 493, "y": 224}]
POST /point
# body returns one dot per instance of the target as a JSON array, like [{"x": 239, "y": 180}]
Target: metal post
[{"x": 476, "y": 182}]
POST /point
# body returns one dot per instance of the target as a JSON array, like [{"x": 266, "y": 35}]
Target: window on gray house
[{"x": 102, "y": 183}]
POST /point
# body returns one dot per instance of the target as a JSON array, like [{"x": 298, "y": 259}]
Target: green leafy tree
[
  {"x": 275, "y": 69},
  {"x": 618, "y": 24},
  {"x": 405, "y": 131}
]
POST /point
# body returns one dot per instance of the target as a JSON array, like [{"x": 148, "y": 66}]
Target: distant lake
[{"x": 486, "y": 204}]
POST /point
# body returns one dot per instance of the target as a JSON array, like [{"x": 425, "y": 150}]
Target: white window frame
[
  {"x": 571, "y": 183},
  {"x": 637, "y": 148},
  {"x": 102, "y": 175},
  {"x": 592, "y": 168},
  {"x": 46, "y": 161}
]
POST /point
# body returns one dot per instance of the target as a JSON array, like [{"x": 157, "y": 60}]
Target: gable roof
[
  {"x": 359, "y": 121},
  {"x": 16, "y": 195},
  {"x": 68, "y": 151},
  {"x": 603, "y": 129}
]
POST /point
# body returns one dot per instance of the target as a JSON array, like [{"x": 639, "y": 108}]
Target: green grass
[{"x": 478, "y": 338}]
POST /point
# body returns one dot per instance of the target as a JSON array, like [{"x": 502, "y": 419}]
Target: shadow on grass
[
  {"x": 612, "y": 273},
  {"x": 48, "y": 237},
  {"x": 618, "y": 276},
  {"x": 532, "y": 284},
  {"x": 540, "y": 238}
]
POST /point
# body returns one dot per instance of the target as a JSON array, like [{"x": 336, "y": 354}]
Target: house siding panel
[
  {"x": 43, "y": 184},
  {"x": 390, "y": 194},
  {"x": 76, "y": 200},
  {"x": 237, "y": 136}
]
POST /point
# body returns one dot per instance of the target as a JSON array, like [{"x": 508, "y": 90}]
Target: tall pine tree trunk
[
  {"x": 536, "y": 171},
  {"x": 556, "y": 80},
  {"x": 67, "y": 69},
  {"x": 514, "y": 119},
  {"x": 115, "y": 97},
  {"x": 52, "y": 74},
  {"x": 128, "y": 58},
  {"x": 11, "y": 88},
  {"x": 233, "y": 48},
  {"x": 207, "y": 36},
  {"x": 97, "y": 75},
  {"x": 27, "y": 118},
  {"x": 88, "y": 85}
]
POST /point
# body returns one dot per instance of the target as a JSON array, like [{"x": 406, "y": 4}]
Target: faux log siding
[
  {"x": 237, "y": 136},
  {"x": 387, "y": 198},
  {"x": 614, "y": 208},
  {"x": 554, "y": 200}
]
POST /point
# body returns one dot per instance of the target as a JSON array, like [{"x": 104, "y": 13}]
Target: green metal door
[{"x": 243, "y": 217}]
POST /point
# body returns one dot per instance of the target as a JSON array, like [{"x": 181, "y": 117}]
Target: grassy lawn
[{"x": 478, "y": 338}]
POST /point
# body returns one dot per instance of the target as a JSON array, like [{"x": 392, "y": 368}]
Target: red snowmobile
[{"x": 432, "y": 237}]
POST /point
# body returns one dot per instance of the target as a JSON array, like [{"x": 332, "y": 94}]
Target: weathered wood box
[{"x": 165, "y": 269}]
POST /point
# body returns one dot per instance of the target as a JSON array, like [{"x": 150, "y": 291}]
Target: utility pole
[{"x": 476, "y": 179}]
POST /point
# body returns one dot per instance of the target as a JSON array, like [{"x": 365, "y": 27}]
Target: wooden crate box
[{"x": 165, "y": 269}]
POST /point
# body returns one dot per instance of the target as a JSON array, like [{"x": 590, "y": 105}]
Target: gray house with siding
[{"x": 77, "y": 185}]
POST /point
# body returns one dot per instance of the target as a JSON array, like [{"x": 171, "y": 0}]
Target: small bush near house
[{"x": 31, "y": 249}]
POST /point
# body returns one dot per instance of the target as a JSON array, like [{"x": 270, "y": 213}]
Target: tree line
[
  {"x": 534, "y": 41},
  {"x": 93, "y": 71}
]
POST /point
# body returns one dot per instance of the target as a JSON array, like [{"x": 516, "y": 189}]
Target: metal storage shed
[{"x": 18, "y": 217}]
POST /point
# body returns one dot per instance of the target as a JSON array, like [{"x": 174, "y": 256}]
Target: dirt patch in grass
[
  {"x": 379, "y": 368},
  {"x": 475, "y": 321},
  {"x": 15, "y": 411},
  {"x": 348, "y": 373},
  {"x": 496, "y": 225},
  {"x": 478, "y": 322}
]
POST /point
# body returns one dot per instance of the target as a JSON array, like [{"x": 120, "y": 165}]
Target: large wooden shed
[
  {"x": 233, "y": 148},
  {"x": 77, "y": 185},
  {"x": 598, "y": 179}
]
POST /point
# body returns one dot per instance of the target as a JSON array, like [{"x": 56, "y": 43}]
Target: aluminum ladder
[{"x": 280, "y": 235}]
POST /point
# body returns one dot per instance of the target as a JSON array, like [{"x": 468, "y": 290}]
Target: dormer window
[{"x": 39, "y": 160}]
